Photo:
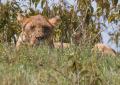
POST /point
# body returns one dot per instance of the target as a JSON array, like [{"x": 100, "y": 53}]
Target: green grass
[{"x": 44, "y": 66}]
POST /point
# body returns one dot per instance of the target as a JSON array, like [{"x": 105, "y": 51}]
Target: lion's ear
[
  {"x": 55, "y": 20},
  {"x": 20, "y": 17}
]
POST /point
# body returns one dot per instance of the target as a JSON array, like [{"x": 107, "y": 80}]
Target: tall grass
[{"x": 44, "y": 66}]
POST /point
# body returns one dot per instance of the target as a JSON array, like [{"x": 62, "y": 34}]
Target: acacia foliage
[
  {"x": 8, "y": 25},
  {"x": 78, "y": 19}
]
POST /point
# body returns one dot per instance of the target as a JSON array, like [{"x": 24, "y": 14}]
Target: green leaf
[
  {"x": 42, "y": 3},
  {"x": 114, "y": 3}
]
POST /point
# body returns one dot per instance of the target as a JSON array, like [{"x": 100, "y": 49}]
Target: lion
[
  {"x": 35, "y": 29},
  {"x": 104, "y": 49}
]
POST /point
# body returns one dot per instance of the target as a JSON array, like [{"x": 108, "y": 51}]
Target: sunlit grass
[{"x": 44, "y": 66}]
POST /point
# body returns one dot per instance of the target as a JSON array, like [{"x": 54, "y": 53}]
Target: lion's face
[
  {"x": 38, "y": 28},
  {"x": 36, "y": 32}
]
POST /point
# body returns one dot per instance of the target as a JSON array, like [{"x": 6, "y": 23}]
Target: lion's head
[{"x": 37, "y": 28}]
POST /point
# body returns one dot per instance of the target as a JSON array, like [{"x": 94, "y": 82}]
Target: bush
[{"x": 8, "y": 24}]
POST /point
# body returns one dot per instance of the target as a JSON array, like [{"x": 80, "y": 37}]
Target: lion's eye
[
  {"x": 46, "y": 29},
  {"x": 32, "y": 27}
]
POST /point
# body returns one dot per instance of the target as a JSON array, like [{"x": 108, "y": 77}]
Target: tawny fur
[
  {"x": 61, "y": 45},
  {"x": 54, "y": 21},
  {"x": 104, "y": 49},
  {"x": 36, "y": 28}
]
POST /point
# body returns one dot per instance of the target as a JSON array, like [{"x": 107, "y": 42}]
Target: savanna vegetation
[{"x": 76, "y": 65}]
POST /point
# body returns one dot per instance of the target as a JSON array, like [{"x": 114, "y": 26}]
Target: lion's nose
[{"x": 40, "y": 38}]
